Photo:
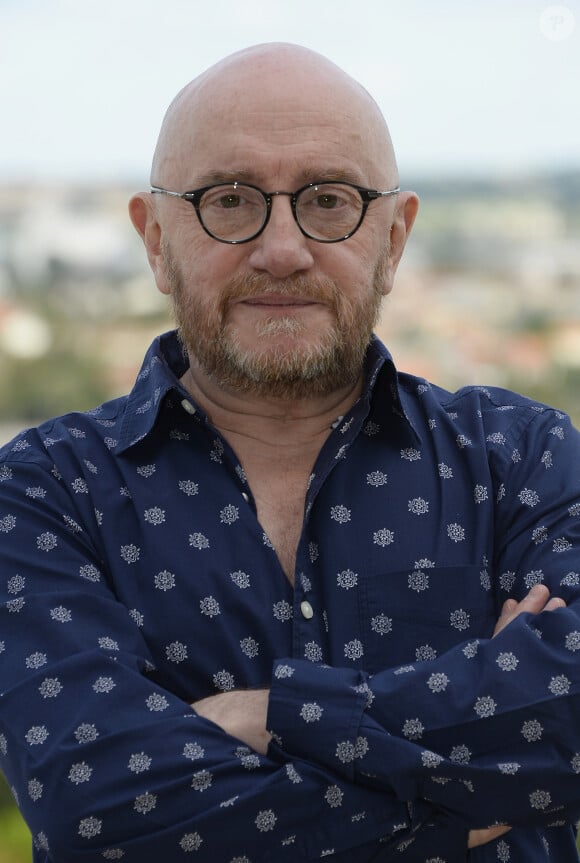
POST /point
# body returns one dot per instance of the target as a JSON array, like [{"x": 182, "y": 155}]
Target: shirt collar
[
  {"x": 166, "y": 362},
  {"x": 382, "y": 391}
]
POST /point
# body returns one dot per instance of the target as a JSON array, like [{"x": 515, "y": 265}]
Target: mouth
[{"x": 278, "y": 301}]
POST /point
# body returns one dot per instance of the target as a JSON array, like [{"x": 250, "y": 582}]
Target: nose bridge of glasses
[
  {"x": 281, "y": 194},
  {"x": 269, "y": 198}
]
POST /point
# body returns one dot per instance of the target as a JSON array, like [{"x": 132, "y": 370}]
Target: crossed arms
[{"x": 244, "y": 713}]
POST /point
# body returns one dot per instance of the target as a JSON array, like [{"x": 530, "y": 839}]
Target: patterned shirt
[{"x": 135, "y": 579}]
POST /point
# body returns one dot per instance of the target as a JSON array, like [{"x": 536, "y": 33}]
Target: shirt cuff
[{"x": 315, "y": 712}]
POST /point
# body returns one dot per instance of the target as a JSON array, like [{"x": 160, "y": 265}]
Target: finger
[
  {"x": 507, "y": 614},
  {"x": 538, "y": 599},
  {"x": 535, "y": 600},
  {"x": 508, "y": 607},
  {"x": 554, "y": 603}
]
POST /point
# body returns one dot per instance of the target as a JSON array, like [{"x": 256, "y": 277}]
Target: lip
[{"x": 278, "y": 301}]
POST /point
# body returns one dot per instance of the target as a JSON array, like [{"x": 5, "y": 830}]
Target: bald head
[{"x": 276, "y": 88}]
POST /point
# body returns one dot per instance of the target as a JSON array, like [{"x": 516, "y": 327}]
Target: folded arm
[{"x": 243, "y": 714}]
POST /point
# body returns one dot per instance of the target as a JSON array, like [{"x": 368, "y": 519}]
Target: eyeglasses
[{"x": 239, "y": 212}]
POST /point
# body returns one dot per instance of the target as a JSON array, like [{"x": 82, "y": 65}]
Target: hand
[
  {"x": 482, "y": 837},
  {"x": 537, "y": 600},
  {"x": 241, "y": 713}
]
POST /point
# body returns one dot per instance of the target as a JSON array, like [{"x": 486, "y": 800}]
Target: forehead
[{"x": 280, "y": 125}]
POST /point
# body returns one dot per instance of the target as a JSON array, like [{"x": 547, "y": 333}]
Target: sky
[{"x": 468, "y": 88}]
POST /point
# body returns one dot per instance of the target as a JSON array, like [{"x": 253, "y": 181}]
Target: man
[{"x": 282, "y": 602}]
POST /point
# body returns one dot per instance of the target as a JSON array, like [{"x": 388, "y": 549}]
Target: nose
[{"x": 281, "y": 249}]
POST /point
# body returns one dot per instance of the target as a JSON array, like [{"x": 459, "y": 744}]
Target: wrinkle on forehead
[{"x": 277, "y": 88}]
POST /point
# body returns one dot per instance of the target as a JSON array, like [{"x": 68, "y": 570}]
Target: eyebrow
[
  {"x": 310, "y": 175},
  {"x": 344, "y": 175},
  {"x": 211, "y": 177}
]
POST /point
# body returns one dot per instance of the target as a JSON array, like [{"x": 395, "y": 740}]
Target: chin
[{"x": 279, "y": 337}]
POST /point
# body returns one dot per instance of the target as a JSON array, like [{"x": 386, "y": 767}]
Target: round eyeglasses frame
[{"x": 194, "y": 198}]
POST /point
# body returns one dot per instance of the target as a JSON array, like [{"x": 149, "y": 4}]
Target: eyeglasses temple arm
[
  {"x": 388, "y": 192},
  {"x": 158, "y": 190}
]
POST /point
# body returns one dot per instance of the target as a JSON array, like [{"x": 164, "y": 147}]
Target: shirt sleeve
[
  {"x": 108, "y": 764},
  {"x": 490, "y": 730}
]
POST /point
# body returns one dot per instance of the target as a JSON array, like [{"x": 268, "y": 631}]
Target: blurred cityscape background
[{"x": 488, "y": 292}]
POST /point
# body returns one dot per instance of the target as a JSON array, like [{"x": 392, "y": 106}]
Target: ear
[
  {"x": 405, "y": 213},
  {"x": 144, "y": 216}
]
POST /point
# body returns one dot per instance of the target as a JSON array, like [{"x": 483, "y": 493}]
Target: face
[{"x": 281, "y": 315}]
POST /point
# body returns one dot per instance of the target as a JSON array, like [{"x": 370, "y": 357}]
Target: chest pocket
[{"x": 408, "y": 617}]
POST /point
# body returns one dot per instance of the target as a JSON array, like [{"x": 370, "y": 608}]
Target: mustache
[{"x": 259, "y": 284}]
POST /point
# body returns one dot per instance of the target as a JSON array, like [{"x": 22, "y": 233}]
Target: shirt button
[
  {"x": 187, "y": 406},
  {"x": 246, "y": 496},
  {"x": 307, "y": 610}
]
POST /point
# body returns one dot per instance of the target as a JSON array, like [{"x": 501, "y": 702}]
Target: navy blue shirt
[{"x": 135, "y": 579}]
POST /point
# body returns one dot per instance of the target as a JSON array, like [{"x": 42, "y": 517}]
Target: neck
[{"x": 276, "y": 422}]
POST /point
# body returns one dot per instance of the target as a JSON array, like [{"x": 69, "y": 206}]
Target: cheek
[
  {"x": 214, "y": 264},
  {"x": 194, "y": 252},
  {"x": 356, "y": 277},
  {"x": 343, "y": 262}
]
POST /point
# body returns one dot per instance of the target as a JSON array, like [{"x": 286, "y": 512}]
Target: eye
[
  {"x": 228, "y": 202},
  {"x": 329, "y": 197},
  {"x": 327, "y": 201},
  {"x": 231, "y": 198}
]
